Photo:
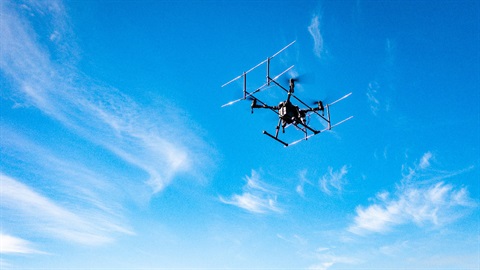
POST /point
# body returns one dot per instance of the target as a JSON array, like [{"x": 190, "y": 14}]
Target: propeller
[
  {"x": 320, "y": 95},
  {"x": 305, "y": 78},
  {"x": 317, "y": 103},
  {"x": 320, "y": 104}
]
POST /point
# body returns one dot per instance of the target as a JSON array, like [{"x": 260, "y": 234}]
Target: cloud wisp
[
  {"x": 87, "y": 227},
  {"x": 422, "y": 198},
  {"x": 333, "y": 181},
  {"x": 257, "y": 197},
  {"x": 53, "y": 189},
  {"x": 99, "y": 113},
  {"x": 380, "y": 89},
  {"x": 14, "y": 245},
  {"x": 327, "y": 258},
  {"x": 315, "y": 31}
]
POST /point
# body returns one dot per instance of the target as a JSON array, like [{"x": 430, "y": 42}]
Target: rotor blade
[
  {"x": 344, "y": 97},
  {"x": 304, "y": 78}
]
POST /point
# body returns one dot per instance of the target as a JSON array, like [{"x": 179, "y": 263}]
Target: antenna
[
  {"x": 291, "y": 112},
  {"x": 259, "y": 64}
]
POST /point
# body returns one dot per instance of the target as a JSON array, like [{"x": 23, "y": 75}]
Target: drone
[{"x": 289, "y": 114}]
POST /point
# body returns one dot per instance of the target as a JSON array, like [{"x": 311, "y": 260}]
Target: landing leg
[
  {"x": 278, "y": 128},
  {"x": 275, "y": 138}
]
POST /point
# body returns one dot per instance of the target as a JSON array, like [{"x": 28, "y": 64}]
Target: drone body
[{"x": 288, "y": 113}]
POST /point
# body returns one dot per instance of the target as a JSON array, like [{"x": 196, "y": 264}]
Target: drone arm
[
  {"x": 262, "y": 106},
  {"x": 265, "y": 107},
  {"x": 258, "y": 104},
  {"x": 311, "y": 110}
]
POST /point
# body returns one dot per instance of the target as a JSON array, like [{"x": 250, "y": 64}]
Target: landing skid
[
  {"x": 275, "y": 138},
  {"x": 306, "y": 137}
]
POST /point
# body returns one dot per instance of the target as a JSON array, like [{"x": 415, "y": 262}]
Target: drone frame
[{"x": 300, "y": 125}]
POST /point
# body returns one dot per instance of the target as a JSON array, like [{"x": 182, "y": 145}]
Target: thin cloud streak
[
  {"x": 380, "y": 90},
  {"x": 14, "y": 245},
  {"x": 333, "y": 180},
  {"x": 54, "y": 220},
  {"x": 314, "y": 30},
  {"x": 99, "y": 113},
  {"x": 56, "y": 196},
  {"x": 420, "y": 198},
  {"x": 425, "y": 161},
  {"x": 71, "y": 179},
  {"x": 257, "y": 197},
  {"x": 331, "y": 183},
  {"x": 327, "y": 258}
]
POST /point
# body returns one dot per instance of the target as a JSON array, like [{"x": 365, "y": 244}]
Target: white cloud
[
  {"x": 300, "y": 189},
  {"x": 333, "y": 180},
  {"x": 66, "y": 177},
  {"x": 425, "y": 161},
  {"x": 257, "y": 197},
  {"x": 42, "y": 215},
  {"x": 314, "y": 30},
  {"x": 372, "y": 97},
  {"x": 327, "y": 258},
  {"x": 394, "y": 249},
  {"x": 158, "y": 142},
  {"x": 421, "y": 199},
  {"x": 382, "y": 87},
  {"x": 11, "y": 244}
]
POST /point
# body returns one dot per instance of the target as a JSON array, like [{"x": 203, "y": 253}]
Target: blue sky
[{"x": 116, "y": 153}]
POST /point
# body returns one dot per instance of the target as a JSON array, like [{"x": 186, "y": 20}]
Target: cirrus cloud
[
  {"x": 422, "y": 198},
  {"x": 257, "y": 197},
  {"x": 43, "y": 75},
  {"x": 315, "y": 31}
]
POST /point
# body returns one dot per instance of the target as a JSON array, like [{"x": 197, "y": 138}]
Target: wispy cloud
[
  {"x": 161, "y": 144},
  {"x": 300, "y": 189},
  {"x": 327, "y": 258},
  {"x": 257, "y": 196},
  {"x": 372, "y": 96},
  {"x": 50, "y": 194},
  {"x": 315, "y": 31},
  {"x": 65, "y": 176},
  {"x": 422, "y": 198},
  {"x": 425, "y": 161},
  {"x": 380, "y": 89},
  {"x": 41, "y": 214},
  {"x": 11, "y": 244},
  {"x": 333, "y": 181}
]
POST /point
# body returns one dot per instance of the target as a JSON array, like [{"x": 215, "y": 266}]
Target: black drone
[{"x": 288, "y": 113}]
